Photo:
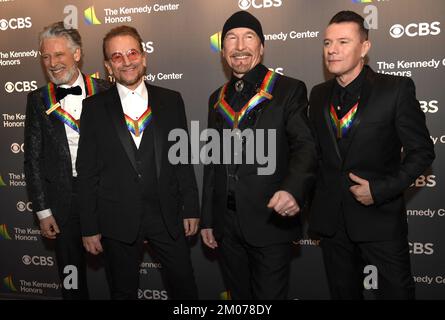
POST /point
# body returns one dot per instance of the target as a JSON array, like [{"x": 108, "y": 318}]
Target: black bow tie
[{"x": 63, "y": 92}]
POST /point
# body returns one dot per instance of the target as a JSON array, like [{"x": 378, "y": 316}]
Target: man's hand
[
  {"x": 208, "y": 238},
  {"x": 92, "y": 244},
  {"x": 284, "y": 204},
  {"x": 361, "y": 191},
  {"x": 191, "y": 226},
  {"x": 49, "y": 227}
]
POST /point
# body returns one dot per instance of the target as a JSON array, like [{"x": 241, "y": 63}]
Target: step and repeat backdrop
[{"x": 182, "y": 39}]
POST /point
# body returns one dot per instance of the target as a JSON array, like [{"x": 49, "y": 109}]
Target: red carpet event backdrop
[{"x": 182, "y": 40}]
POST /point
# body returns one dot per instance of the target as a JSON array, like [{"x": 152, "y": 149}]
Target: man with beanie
[{"x": 251, "y": 216}]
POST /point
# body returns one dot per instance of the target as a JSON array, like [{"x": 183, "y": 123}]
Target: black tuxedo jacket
[
  {"x": 109, "y": 178},
  {"x": 295, "y": 169},
  {"x": 388, "y": 118},
  {"x": 47, "y": 166}
]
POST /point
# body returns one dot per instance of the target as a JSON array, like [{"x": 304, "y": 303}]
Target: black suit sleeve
[
  {"x": 209, "y": 177},
  {"x": 33, "y": 144},
  {"x": 88, "y": 170},
  {"x": 302, "y": 159},
  {"x": 311, "y": 118},
  {"x": 416, "y": 142},
  {"x": 185, "y": 173}
]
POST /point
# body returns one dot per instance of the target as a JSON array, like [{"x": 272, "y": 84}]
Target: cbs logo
[
  {"x": 17, "y": 147},
  {"x": 24, "y": 206},
  {"x": 152, "y": 294},
  {"x": 429, "y": 106},
  {"x": 38, "y": 261},
  {"x": 15, "y": 23},
  {"x": 278, "y": 70},
  {"x": 425, "y": 181},
  {"x": 258, "y": 4},
  {"x": 415, "y": 29},
  {"x": 148, "y": 46},
  {"x": 421, "y": 248},
  {"x": 20, "y": 86}
]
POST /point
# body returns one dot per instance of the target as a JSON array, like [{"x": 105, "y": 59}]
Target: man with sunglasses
[{"x": 130, "y": 192}]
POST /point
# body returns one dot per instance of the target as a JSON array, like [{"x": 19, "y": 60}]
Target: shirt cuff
[{"x": 44, "y": 214}]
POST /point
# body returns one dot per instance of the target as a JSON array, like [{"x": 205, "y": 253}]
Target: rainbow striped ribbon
[
  {"x": 264, "y": 93},
  {"x": 341, "y": 126},
  {"x": 53, "y": 106},
  {"x": 138, "y": 126}
]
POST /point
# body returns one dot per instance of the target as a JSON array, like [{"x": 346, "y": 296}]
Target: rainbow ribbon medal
[
  {"x": 341, "y": 126},
  {"x": 138, "y": 126},
  {"x": 264, "y": 93},
  {"x": 53, "y": 106}
]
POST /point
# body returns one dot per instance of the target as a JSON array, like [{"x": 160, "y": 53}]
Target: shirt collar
[
  {"x": 141, "y": 91},
  {"x": 254, "y": 76},
  {"x": 355, "y": 86}
]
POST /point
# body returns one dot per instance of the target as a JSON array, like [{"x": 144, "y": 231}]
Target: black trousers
[
  {"x": 345, "y": 260},
  {"x": 260, "y": 273},
  {"x": 70, "y": 251},
  {"x": 122, "y": 262}
]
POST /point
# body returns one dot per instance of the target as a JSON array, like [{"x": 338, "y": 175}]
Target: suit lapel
[
  {"x": 118, "y": 118},
  {"x": 259, "y": 110},
  {"x": 326, "y": 105},
  {"x": 56, "y": 127},
  {"x": 85, "y": 85},
  {"x": 157, "y": 123},
  {"x": 363, "y": 103}
]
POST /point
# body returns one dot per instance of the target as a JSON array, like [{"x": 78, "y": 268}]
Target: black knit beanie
[{"x": 242, "y": 19}]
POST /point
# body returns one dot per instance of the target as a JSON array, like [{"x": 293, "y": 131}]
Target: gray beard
[{"x": 66, "y": 79}]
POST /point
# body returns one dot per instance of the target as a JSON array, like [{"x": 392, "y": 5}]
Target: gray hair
[{"x": 58, "y": 29}]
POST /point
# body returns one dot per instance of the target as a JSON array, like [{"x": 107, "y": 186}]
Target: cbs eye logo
[
  {"x": 148, "y": 294},
  {"x": 20, "y": 86},
  {"x": 17, "y": 148},
  {"x": 258, "y": 4},
  {"x": 15, "y": 23},
  {"x": 415, "y": 29},
  {"x": 38, "y": 261},
  {"x": 24, "y": 206}
]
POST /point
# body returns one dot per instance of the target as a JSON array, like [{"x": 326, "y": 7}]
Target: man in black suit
[
  {"x": 51, "y": 141},
  {"x": 130, "y": 191},
  {"x": 249, "y": 214},
  {"x": 362, "y": 120}
]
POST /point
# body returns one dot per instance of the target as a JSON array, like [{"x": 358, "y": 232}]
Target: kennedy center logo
[
  {"x": 215, "y": 42},
  {"x": 90, "y": 16}
]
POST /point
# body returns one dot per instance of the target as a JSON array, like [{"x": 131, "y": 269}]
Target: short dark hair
[
  {"x": 121, "y": 31},
  {"x": 351, "y": 16}
]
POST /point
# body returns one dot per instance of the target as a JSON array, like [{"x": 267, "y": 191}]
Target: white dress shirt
[
  {"x": 73, "y": 105},
  {"x": 134, "y": 104}
]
